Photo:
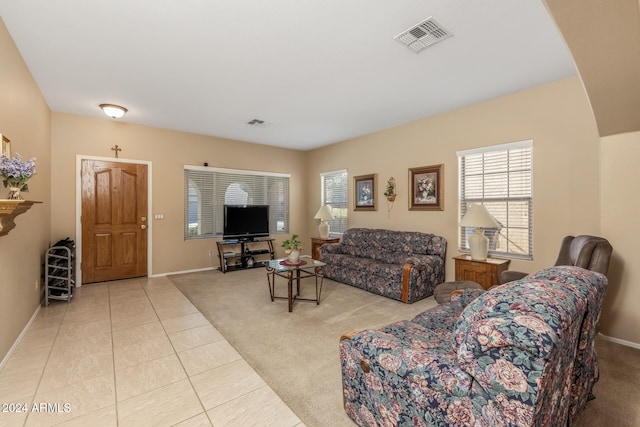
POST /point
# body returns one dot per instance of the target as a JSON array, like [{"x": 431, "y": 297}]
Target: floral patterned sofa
[
  {"x": 521, "y": 354},
  {"x": 403, "y": 265}
]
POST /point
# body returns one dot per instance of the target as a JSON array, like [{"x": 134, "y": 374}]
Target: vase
[
  {"x": 14, "y": 193},
  {"x": 294, "y": 257}
]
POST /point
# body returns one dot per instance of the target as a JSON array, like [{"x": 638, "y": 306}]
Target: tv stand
[{"x": 249, "y": 250}]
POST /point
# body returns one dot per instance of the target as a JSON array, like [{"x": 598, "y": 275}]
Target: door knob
[
  {"x": 143, "y": 219},
  {"x": 143, "y": 226}
]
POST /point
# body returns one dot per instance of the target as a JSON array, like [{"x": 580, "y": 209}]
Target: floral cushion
[{"x": 521, "y": 354}]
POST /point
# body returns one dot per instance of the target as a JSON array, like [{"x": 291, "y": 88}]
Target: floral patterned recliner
[
  {"x": 521, "y": 354},
  {"x": 403, "y": 265}
]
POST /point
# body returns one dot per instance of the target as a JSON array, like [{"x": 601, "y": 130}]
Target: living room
[{"x": 581, "y": 182}]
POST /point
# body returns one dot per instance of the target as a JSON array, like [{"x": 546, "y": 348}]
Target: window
[
  {"x": 500, "y": 178},
  {"x": 207, "y": 190},
  {"x": 334, "y": 193}
]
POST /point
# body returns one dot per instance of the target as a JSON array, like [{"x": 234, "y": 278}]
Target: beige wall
[
  {"x": 620, "y": 158},
  {"x": 24, "y": 119},
  {"x": 608, "y": 66},
  {"x": 168, "y": 151},
  {"x": 566, "y": 165},
  {"x": 582, "y": 184}
]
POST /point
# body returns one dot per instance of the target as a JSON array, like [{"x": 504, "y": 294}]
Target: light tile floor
[{"x": 132, "y": 353}]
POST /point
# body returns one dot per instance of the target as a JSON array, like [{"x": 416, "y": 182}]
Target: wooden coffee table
[{"x": 307, "y": 267}]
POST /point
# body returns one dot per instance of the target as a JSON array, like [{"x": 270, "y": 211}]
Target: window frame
[
  {"x": 220, "y": 181},
  {"x": 340, "y": 224},
  {"x": 519, "y": 180}
]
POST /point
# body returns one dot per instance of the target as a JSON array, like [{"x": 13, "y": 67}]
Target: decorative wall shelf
[{"x": 9, "y": 210}]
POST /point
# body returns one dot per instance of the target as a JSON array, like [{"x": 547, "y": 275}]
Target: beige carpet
[
  {"x": 617, "y": 392},
  {"x": 297, "y": 353}
]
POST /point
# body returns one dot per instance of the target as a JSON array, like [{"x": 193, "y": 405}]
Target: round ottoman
[{"x": 442, "y": 292}]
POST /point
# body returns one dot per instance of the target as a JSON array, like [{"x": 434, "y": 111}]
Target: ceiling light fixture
[{"x": 113, "y": 111}]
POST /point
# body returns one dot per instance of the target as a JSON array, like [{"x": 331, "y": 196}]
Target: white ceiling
[{"x": 318, "y": 71}]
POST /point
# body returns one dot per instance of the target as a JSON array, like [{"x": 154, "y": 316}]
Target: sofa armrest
[
  {"x": 421, "y": 261},
  {"x": 404, "y": 363},
  {"x": 349, "y": 335},
  {"x": 520, "y": 341},
  {"x": 331, "y": 248}
]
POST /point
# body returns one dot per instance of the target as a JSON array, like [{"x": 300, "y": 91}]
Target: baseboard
[
  {"x": 619, "y": 341},
  {"x": 184, "y": 271},
  {"x": 17, "y": 341}
]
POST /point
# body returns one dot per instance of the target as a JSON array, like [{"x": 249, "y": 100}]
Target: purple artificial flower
[{"x": 15, "y": 172}]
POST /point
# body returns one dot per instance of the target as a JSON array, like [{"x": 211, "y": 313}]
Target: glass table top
[{"x": 282, "y": 264}]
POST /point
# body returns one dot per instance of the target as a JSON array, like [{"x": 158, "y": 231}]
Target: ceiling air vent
[
  {"x": 258, "y": 123},
  {"x": 423, "y": 35}
]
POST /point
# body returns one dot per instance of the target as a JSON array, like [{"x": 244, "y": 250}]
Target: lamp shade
[
  {"x": 324, "y": 213},
  {"x": 113, "y": 111},
  {"x": 478, "y": 216}
]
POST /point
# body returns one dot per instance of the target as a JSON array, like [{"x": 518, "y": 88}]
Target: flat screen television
[{"x": 245, "y": 222}]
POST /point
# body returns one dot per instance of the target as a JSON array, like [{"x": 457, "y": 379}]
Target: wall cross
[{"x": 116, "y": 149}]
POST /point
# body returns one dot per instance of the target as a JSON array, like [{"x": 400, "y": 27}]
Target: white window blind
[
  {"x": 207, "y": 190},
  {"x": 500, "y": 177},
  {"x": 334, "y": 193}
]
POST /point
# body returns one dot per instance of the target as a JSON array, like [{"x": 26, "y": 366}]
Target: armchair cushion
[{"x": 589, "y": 252}]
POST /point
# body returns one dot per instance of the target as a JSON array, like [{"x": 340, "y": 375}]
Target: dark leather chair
[{"x": 590, "y": 252}]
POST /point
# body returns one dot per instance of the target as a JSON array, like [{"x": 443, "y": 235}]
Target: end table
[
  {"x": 485, "y": 272},
  {"x": 317, "y": 242}
]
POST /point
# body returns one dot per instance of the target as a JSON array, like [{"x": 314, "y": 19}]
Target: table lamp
[
  {"x": 323, "y": 214},
  {"x": 479, "y": 217}
]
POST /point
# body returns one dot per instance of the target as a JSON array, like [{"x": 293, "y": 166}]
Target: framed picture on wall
[
  {"x": 6, "y": 145},
  {"x": 427, "y": 188},
  {"x": 364, "y": 188}
]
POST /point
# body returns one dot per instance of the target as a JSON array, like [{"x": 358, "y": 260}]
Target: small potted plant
[
  {"x": 390, "y": 192},
  {"x": 292, "y": 248}
]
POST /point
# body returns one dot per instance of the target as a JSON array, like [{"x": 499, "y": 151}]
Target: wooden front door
[{"x": 114, "y": 220}]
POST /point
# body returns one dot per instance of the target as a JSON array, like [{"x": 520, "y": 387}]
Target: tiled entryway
[{"x": 132, "y": 353}]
